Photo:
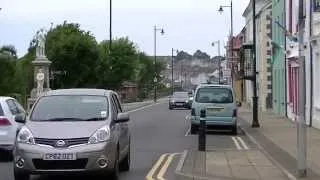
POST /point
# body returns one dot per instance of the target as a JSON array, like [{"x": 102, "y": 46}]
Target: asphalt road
[{"x": 157, "y": 132}]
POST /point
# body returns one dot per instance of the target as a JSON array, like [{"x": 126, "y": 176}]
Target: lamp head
[{"x": 220, "y": 10}]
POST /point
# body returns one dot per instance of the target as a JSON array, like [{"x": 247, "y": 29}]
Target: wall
[{"x": 278, "y": 59}]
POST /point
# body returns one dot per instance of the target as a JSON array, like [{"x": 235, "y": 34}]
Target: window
[
  {"x": 12, "y": 106},
  {"x": 19, "y": 106},
  {"x": 214, "y": 95},
  {"x": 316, "y": 5},
  {"x": 180, "y": 94},
  {"x": 1, "y": 111},
  {"x": 117, "y": 103},
  {"x": 70, "y": 107}
]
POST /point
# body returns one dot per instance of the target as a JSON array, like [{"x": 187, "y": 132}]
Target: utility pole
[
  {"x": 219, "y": 60},
  {"x": 172, "y": 67},
  {"x": 255, "y": 121},
  {"x": 155, "y": 80},
  {"x": 301, "y": 123},
  {"x": 110, "y": 21},
  {"x": 172, "y": 79}
]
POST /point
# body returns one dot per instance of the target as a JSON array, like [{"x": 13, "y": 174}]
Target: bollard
[{"x": 202, "y": 131}]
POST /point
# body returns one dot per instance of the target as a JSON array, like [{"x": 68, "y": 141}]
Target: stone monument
[{"x": 41, "y": 70}]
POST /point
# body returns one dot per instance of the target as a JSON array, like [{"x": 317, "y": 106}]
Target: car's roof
[
  {"x": 3, "y": 98},
  {"x": 78, "y": 91},
  {"x": 215, "y": 85}
]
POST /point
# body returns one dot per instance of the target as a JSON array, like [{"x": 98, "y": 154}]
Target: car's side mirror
[
  {"x": 20, "y": 118},
  {"x": 238, "y": 104},
  {"x": 123, "y": 117}
]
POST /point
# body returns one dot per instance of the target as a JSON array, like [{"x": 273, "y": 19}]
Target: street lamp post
[
  {"x": 172, "y": 79},
  {"x": 219, "y": 63},
  {"x": 110, "y": 21},
  {"x": 231, "y": 35},
  {"x": 255, "y": 121},
  {"x": 155, "y": 60}
]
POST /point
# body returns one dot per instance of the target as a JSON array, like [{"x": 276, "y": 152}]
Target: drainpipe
[
  {"x": 311, "y": 64},
  {"x": 285, "y": 65}
]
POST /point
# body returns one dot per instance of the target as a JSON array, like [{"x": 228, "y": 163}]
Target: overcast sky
[{"x": 189, "y": 24}]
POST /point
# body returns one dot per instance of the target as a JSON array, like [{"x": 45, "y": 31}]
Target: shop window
[{"x": 316, "y": 5}]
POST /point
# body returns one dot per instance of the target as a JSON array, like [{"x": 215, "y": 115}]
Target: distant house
[{"x": 128, "y": 91}]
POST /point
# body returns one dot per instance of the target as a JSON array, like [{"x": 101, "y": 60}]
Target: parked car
[
  {"x": 219, "y": 104},
  {"x": 73, "y": 131},
  {"x": 9, "y": 109},
  {"x": 179, "y": 100}
]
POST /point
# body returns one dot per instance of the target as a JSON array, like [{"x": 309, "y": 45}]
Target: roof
[
  {"x": 78, "y": 91},
  {"x": 5, "y": 98},
  {"x": 214, "y": 85}
]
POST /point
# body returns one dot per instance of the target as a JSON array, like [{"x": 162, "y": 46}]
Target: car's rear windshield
[
  {"x": 180, "y": 94},
  {"x": 1, "y": 111},
  {"x": 70, "y": 108},
  {"x": 214, "y": 95}
]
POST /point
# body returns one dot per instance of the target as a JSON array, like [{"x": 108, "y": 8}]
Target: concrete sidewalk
[
  {"x": 277, "y": 136},
  {"x": 227, "y": 165}
]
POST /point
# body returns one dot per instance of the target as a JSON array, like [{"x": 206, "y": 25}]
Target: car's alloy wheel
[
  {"x": 21, "y": 176},
  {"x": 125, "y": 164}
]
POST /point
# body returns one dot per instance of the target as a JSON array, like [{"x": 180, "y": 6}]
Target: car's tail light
[
  {"x": 234, "y": 113},
  {"x": 193, "y": 112},
  {"x": 4, "y": 122}
]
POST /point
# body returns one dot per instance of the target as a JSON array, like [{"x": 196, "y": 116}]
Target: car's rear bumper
[
  {"x": 6, "y": 147},
  {"x": 215, "y": 121},
  {"x": 180, "y": 104}
]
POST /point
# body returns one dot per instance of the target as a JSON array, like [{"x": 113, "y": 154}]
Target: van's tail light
[
  {"x": 193, "y": 112},
  {"x": 4, "y": 122},
  {"x": 234, "y": 113}
]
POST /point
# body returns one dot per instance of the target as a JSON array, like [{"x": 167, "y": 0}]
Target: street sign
[{"x": 155, "y": 79}]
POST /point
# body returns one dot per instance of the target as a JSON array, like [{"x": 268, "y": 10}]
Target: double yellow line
[{"x": 162, "y": 165}]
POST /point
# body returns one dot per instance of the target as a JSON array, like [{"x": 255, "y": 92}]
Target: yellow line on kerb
[
  {"x": 165, "y": 167},
  {"x": 155, "y": 167}
]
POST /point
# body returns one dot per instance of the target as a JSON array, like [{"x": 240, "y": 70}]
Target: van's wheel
[
  {"x": 21, "y": 176},
  {"x": 125, "y": 163}
]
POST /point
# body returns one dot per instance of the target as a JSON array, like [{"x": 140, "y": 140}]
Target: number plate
[
  {"x": 59, "y": 156},
  {"x": 215, "y": 109}
]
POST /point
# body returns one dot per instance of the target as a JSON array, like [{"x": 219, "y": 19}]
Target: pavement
[
  {"x": 277, "y": 137},
  {"x": 227, "y": 157}
]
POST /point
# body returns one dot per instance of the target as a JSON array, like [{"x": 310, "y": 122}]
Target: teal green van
[{"x": 220, "y": 105}]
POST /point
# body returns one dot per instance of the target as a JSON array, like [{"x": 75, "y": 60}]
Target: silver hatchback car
[{"x": 73, "y": 131}]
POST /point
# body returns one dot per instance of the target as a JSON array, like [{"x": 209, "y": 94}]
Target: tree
[
  {"x": 118, "y": 64},
  {"x": 7, "y": 69},
  {"x": 146, "y": 72},
  {"x": 74, "y": 54},
  {"x": 9, "y": 51}
]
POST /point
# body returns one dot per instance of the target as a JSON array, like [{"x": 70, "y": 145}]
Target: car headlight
[
  {"x": 187, "y": 101},
  {"x": 25, "y": 136},
  {"x": 101, "y": 135}
]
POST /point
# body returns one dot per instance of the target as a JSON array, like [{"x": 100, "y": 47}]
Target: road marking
[
  {"x": 144, "y": 107},
  {"x": 242, "y": 142},
  {"x": 236, "y": 143},
  {"x": 155, "y": 167},
  {"x": 165, "y": 167}
]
